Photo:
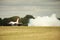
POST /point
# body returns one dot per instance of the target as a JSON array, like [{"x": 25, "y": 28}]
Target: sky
[{"x": 21, "y": 8}]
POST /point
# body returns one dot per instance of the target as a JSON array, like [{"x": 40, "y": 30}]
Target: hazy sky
[{"x": 21, "y": 8}]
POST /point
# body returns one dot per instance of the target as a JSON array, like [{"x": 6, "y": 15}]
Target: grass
[{"x": 29, "y": 33}]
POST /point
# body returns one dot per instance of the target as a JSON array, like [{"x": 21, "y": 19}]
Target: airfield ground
[{"x": 29, "y": 33}]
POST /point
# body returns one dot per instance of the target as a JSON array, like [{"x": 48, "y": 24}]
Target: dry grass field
[{"x": 29, "y": 33}]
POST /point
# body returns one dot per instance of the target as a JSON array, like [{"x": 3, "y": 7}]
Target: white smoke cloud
[{"x": 44, "y": 21}]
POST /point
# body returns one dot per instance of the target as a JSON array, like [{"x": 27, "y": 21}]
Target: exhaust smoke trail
[{"x": 44, "y": 21}]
